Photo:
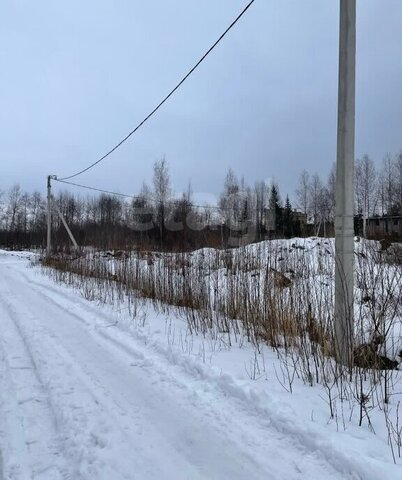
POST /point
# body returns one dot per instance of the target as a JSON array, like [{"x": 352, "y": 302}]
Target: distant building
[
  {"x": 298, "y": 221},
  {"x": 299, "y": 217},
  {"x": 269, "y": 219},
  {"x": 385, "y": 226}
]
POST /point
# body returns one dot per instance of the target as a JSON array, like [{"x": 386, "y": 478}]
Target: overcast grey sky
[{"x": 77, "y": 76}]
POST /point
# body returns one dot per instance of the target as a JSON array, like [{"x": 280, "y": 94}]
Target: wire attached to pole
[
  {"x": 140, "y": 197},
  {"x": 96, "y": 189},
  {"x": 165, "y": 99}
]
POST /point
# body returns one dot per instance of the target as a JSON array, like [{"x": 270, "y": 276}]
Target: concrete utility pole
[
  {"x": 344, "y": 227},
  {"x": 49, "y": 216}
]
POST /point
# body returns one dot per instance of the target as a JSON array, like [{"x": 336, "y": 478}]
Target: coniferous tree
[
  {"x": 287, "y": 219},
  {"x": 276, "y": 209}
]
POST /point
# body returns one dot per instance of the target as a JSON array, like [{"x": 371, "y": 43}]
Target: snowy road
[{"x": 81, "y": 400}]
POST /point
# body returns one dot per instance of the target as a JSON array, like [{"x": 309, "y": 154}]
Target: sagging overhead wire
[
  {"x": 136, "y": 197},
  {"x": 96, "y": 189},
  {"x": 165, "y": 99}
]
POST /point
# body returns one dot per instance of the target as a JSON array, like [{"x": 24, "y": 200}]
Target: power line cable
[
  {"x": 96, "y": 189},
  {"x": 166, "y": 98},
  {"x": 135, "y": 197}
]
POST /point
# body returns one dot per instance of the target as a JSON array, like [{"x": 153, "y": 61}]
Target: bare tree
[
  {"x": 261, "y": 199},
  {"x": 366, "y": 188},
  {"x": 13, "y": 207},
  {"x": 162, "y": 192},
  {"x": 140, "y": 214},
  {"x": 387, "y": 185},
  {"x": 24, "y": 212},
  {"x": 2, "y": 210},
  {"x": 331, "y": 189},
  {"x": 397, "y": 203},
  {"x": 230, "y": 197},
  {"x": 303, "y": 192},
  {"x": 316, "y": 196},
  {"x": 36, "y": 220},
  {"x": 181, "y": 211}
]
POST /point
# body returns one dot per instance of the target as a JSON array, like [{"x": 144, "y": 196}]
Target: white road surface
[{"x": 81, "y": 400}]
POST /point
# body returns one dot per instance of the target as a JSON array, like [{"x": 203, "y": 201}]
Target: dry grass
[{"x": 278, "y": 293}]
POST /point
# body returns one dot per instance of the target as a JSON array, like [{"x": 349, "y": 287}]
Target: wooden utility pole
[{"x": 344, "y": 224}]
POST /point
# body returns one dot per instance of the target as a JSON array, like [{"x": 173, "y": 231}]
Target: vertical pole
[
  {"x": 344, "y": 225},
  {"x": 49, "y": 216}
]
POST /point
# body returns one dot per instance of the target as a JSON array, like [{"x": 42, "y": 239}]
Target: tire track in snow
[
  {"x": 75, "y": 312},
  {"x": 179, "y": 443},
  {"x": 83, "y": 418},
  {"x": 38, "y": 444},
  {"x": 301, "y": 441}
]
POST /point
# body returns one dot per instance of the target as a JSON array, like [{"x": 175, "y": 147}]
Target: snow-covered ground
[{"x": 86, "y": 392}]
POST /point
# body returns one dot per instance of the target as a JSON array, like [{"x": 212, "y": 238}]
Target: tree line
[
  {"x": 156, "y": 218},
  {"x": 378, "y": 191}
]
